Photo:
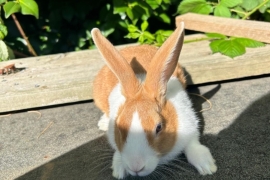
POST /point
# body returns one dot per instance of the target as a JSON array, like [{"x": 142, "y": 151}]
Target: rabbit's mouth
[{"x": 141, "y": 173}]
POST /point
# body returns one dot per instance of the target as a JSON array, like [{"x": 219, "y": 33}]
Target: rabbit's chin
[{"x": 141, "y": 164}]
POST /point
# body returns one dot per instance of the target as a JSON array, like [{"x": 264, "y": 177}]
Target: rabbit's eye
[{"x": 158, "y": 128}]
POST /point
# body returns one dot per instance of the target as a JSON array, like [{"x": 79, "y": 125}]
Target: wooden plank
[
  {"x": 68, "y": 77},
  {"x": 231, "y": 27}
]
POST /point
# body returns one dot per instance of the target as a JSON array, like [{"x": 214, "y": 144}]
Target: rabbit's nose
[{"x": 137, "y": 169}]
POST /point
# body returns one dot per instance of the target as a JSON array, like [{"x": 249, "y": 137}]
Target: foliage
[
  {"x": 226, "y": 8},
  {"x": 239, "y": 9},
  {"x": 64, "y": 26},
  {"x": 26, "y": 7},
  {"x": 142, "y": 11},
  {"x": 232, "y": 46}
]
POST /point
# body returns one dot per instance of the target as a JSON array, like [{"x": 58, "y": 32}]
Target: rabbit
[{"x": 148, "y": 115}]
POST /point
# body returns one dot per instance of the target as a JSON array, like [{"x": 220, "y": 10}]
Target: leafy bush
[
  {"x": 239, "y": 9},
  {"x": 228, "y": 8},
  {"x": 231, "y": 46},
  {"x": 65, "y": 26}
]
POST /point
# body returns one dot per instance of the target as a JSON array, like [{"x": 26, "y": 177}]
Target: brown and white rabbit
[{"x": 147, "y": 113}]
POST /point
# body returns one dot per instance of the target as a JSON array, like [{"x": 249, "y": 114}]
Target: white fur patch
[
  {"x": 200, "y": 156},
  {"x": 116, "y": 99},
  {"x": 136, "y": 134},
  {"x": 103, "y": 123},
  {"x": 137, "y": 154}
]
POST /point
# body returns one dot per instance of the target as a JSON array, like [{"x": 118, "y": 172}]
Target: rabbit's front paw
[
  {"x": 119, "y": 171},
  {"x": 103, "y": 123},
  {"x": 199, "y": 156}
]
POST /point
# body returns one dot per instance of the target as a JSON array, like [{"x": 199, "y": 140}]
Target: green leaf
[
  {"x": 231, "y": 3},
  {"x": 264, "y": 7},
  {"x": 249, "y": 42},
  {"x": 123, "y": 24},
  {"x": 214, "y": 45},
  {"x": 132, "y": 28},
  {"x": 29, "y": 7},
  {"x": 134, "y": 13},
  {"x": 159, "y": 1},
  {"x": 148, "y": 35},
  {"x": 119, "y": 6},
  {"x": 10, "y": 53},
  {"x": 144, "y": 25},
  {"x": 196, "y": 6},
  {"x": 235, "y": 16},
  {"x": 166, "y": 33},
  {"x": 167, "y": 1},
  {"x": 3, "y": 31},
  {"x": 130, "y": 14},
  {"x": 134, "y": 35},
  {"x": 141, "y": 39},
  {"x": 241, "y": 12},
  {"x": 249, "y": 4},
  {"x": 147, "y": 11},
  {"x": 222, "y": 11},
  {"x": 2, "y": 1},
  {"x": 165, "y": 18},
  {"x": 11, "y": 7},
  {"x": 160, "y": 39},
  {"x": 161, "y": 36},
  {"x": 216, "y": 35},
  {"x": 231, "y": 48},
  {"x": 3, "y": 51},
  {"x": 153, "y": 4},
  {"x": 187, "y": 5},
  {"x": 107, "y": 31}
]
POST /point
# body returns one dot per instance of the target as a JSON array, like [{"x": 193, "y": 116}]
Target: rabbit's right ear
[
  {"x": 117, "y": 64},
  {"x": 163, "y": 64}
]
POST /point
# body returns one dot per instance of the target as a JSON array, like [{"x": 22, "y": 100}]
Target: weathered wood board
[
  {"x": 64, "y": 78},
  {"x": 231, "y": 27}
]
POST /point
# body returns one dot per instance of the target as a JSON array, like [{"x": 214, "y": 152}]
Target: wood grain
[
  {"x": 231, "y": 27},
  {"x": 64, "y": 78}
]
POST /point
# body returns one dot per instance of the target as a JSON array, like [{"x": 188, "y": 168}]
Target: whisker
[
  {"x": 157, "y": 175},
  {"x": 101, "y": 148},
  {"x": 99, "y": 165},
  {"x": 105, "y": 153},
  {"x": 101, "y": 158},
  {"x": 180, "y": 167},
  {"x": 104, "y": 169},
  {"x": 166, "y": 171},
  {"x": 181, "y": 162},
  {"x": 98, "y": 160}
]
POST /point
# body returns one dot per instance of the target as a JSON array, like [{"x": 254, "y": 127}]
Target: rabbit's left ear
[
  {"x": 117, "y": 64},
  {"x": 164, "y": 63}
]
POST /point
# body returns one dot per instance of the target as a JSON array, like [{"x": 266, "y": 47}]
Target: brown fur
[{"x": 105, "y": 81}]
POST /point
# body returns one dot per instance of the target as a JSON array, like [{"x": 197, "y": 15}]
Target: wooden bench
[{"x": 67, "y": 77}]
